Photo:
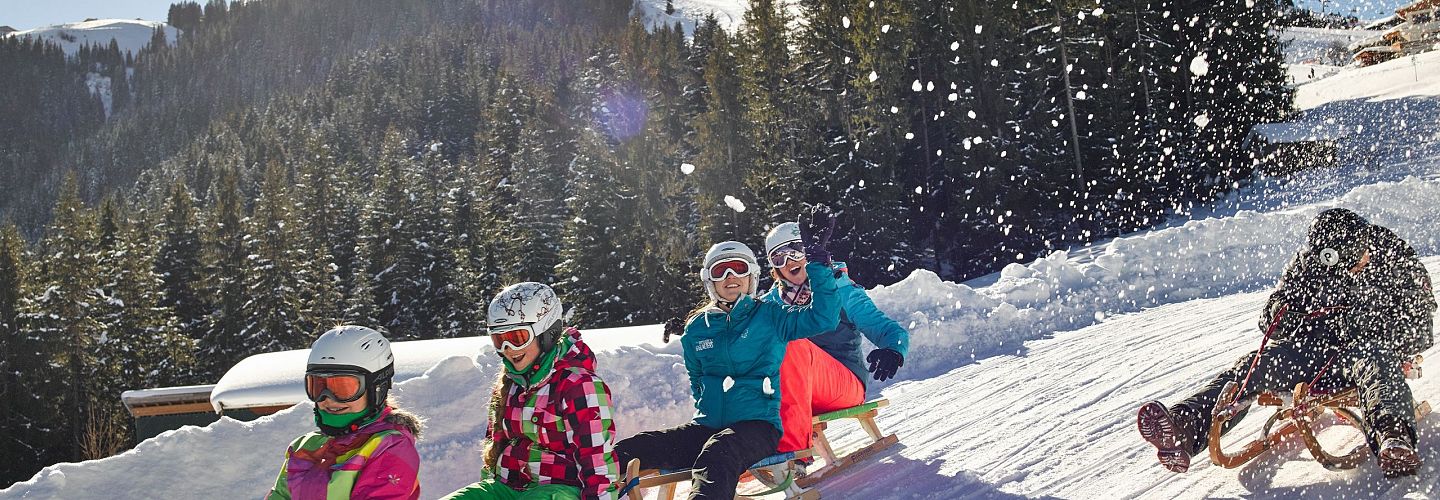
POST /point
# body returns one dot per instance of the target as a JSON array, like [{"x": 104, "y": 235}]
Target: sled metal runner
[
  {"x": 1297, "y": 419},
  {"x": 780, "y": 472}
]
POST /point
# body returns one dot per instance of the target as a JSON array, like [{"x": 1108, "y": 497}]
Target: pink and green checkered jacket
[
  {"x": 377, "y": 461},
  {"x": 561, "y": 430}
]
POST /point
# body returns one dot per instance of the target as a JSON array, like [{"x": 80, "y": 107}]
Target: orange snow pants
[{"x": 811, "y": 382}]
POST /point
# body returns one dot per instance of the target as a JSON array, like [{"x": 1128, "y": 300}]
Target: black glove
[
  {"x": 884, "y": 363},
  {"x": 674, "y": 326},
  {"x": 815, "y": 231}
]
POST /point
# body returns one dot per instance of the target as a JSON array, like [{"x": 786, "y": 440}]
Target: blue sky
[{"x": 26, "y": 14}]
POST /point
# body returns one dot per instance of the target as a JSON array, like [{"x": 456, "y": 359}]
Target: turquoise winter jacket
[
  {"x": 734, "y": 358},
  {"x": 858, "y": 315}
]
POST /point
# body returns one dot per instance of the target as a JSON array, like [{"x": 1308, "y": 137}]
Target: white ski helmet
[
  {"x": 781, "y": 235},
  {"x": 359, "y": 350},
  {"x": 351, "y": 346},
  {"x": 729, "y": 250},
  {"x": 530, "y": 304}
]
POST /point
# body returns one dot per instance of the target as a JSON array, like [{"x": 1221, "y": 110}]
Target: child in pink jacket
[{"x": 364, "y": 449}]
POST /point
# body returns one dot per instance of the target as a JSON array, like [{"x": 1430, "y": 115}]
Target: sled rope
[{"x": 1274, "y": 323}]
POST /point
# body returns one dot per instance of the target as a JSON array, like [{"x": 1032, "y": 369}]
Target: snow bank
[
  {"x": 130, "y": 34},
  {"x": 952, "y": 324}
]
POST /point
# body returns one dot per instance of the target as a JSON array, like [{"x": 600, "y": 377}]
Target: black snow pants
[
  {"x": 1385, "y": 400},
  {"x": 716, "y": 457}
]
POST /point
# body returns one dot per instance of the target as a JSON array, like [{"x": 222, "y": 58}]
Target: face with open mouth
[
  {"x": 732, "y": 287},
  {"x": 521, "y": 359},
  {"x": 794, "y": 271}
]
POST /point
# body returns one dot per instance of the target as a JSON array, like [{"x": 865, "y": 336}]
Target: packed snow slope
[
  {"x": 1022, "y": 385},
  {"x": 129, "y": 34}
]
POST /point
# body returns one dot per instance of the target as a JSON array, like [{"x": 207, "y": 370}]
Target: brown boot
[
  {"x": 1171, "y": 433},
  {"x": 1398, "y": 458}
]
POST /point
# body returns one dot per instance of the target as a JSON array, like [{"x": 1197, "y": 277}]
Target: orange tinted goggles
[
  {"x": 340, "y": 387},
  {"x": 512, "y": 337}
]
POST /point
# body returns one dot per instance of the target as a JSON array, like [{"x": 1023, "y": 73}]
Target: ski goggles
[
  {"x": 732, "y": 266},
  {"x": 514, "y": 337},
  {"x": 339, "y": 387},
  {"x": 785, "y": 253}
]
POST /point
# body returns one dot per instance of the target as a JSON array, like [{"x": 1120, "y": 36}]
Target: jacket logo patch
[{"x": 704, "y": 344}]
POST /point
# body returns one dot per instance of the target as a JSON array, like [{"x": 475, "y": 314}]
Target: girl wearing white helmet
[
  {"x": 827, "y": 372},
  {"x": 550, "y": 415},
  {"x": 365, "y": 447},
  {"x": 732, "y": 348}
]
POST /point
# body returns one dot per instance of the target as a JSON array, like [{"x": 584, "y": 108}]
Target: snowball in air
[
  {"x": 734, "y": 204},
  {"x": 1199, "y": 66},
  {"x": 687, "y": 169},
  {"x": 1202, "y": 120}
]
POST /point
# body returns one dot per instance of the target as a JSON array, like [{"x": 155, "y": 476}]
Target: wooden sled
[
  {"x": 1297, "y": 418},
  {"x": 780, "y": 472}
]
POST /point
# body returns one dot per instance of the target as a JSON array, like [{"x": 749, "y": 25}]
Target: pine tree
[
  {"x": 383, "y": 242},
  {"x": 26, "y": 420},
  {"x": 274, "y": 309},
  {"x": 722, "y": 138},
  {"x": 61, "y": 315},
  {"x": 226, "y": 259},
  {"x": 324, "y": 233},
  {"x": 594, "y": 271},
  {"x": 540, "y": 212},
  {"x": 178, "y": 263}
]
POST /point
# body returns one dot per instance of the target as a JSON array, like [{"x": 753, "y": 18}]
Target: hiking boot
[
  {"x": 1172, "y": 434},
  {"x": 1398, "y": 458}
]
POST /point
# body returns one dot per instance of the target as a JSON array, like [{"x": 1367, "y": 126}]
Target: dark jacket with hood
[{"x": 1391, "y": 301}]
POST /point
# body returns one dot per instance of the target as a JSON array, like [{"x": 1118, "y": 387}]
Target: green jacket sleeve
[
  {"x": 882, "y": 331},
  {"x": 820, "y": 316}
]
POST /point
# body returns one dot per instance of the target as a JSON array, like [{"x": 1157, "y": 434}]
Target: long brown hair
[{"x": 497, "y": 406}]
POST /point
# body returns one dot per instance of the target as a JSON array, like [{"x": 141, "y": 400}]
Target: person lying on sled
[{"x": 1354, "y": 303}]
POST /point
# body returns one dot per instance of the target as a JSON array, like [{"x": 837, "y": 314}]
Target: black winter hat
[{"x": 1339, "y": 237}]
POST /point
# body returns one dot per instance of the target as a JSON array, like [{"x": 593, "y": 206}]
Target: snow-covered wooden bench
[{"x": 779, "y": 472}]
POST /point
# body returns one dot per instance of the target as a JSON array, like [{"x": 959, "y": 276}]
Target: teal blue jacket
[
  {"x": 734, "y": 358},
  {"x": 858, "y": 315}
]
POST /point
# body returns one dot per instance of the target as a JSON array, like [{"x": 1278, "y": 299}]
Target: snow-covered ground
[
  {"x": 1394, "y": 79},
  {"x": 130, "y": 34},
  {"x": 1022, "y": 385}
]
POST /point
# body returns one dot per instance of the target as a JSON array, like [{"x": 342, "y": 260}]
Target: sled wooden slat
[{"x": 770, "y": 469}]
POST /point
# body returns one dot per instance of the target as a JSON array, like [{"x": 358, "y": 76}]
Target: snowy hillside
[
  {"x": 730, "y": 13},
  {"x": 1313, "y": 45},
  {"x": 689, "y": 12},
  {"x": 1024, "y": 384},
  {"x": 130, "y": 34}
]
